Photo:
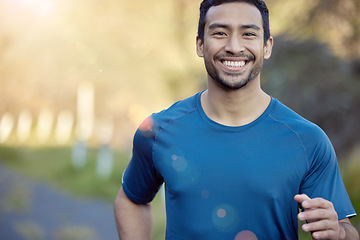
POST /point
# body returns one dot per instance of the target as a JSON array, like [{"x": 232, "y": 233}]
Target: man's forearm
[
  {"x": 348, "y": 231},
  {"x": 133, "y": 221}
]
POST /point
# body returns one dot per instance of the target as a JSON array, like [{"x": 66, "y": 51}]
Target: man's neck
[{"x": 234, "y": 107}]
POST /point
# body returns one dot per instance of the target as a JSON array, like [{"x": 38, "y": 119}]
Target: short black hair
[{"x": 259, "y": 4}]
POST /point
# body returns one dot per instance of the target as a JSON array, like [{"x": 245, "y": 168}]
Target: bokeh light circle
[{"x": 246, "y": 235}]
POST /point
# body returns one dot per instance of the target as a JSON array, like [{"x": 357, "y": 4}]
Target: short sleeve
[
  {"x": 324, "y": 179},
  {"x": 141, "y": 181}
]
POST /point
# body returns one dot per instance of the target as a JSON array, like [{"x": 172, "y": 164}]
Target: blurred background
[{"x": 78, "y": 77}]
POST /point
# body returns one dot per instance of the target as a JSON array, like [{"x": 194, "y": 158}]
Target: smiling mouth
[{"x": 234, "y": 64}]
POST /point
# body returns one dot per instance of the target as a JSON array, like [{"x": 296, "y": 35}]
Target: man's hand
[{"x": 321, "y": 217}]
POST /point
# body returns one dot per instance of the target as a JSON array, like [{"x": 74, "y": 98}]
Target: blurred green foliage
[{"x": 54, "y": 164}]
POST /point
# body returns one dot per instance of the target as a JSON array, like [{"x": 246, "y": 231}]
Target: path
[{"x": 32, "y": 210}]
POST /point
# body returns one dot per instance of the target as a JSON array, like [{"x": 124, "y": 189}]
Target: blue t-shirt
[{"x": 225, "y": 182}]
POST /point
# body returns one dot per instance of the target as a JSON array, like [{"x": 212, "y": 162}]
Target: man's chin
[{"x": 234, "y": 85}]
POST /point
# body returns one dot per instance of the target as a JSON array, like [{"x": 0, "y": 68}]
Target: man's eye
[
  {"x": 219, "y": 34},
  {"x": 249, "y": 34}
]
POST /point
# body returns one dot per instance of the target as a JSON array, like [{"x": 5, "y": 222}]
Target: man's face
[{"x": 233, "y": 48}]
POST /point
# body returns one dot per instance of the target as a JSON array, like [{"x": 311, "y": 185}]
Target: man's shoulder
[
  {"x": 295, "y": 122},
  {"x": 177, "y": 110},
  {"x": 150, "y": 126}
]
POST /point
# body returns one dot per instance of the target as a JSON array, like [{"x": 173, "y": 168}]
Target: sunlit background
[{"x": 78, "y": 77}]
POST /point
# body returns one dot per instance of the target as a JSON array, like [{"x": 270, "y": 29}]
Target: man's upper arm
[{"x": 141, "y": 180}]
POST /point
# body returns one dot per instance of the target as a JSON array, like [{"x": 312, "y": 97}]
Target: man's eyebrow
[
  {"x": 218, "y": 25},
  {"x": 250, "y": 26},
  {"x": 225, "y": 26}
]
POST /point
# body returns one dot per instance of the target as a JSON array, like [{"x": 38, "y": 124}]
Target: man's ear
[
  {"x": 199, "y": 47},
  {"x": 268, "y": 47}
]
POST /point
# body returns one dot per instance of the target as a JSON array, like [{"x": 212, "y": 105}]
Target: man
[{"x": 236, "y": 162}]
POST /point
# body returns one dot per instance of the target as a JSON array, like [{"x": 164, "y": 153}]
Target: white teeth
[{"x": 234, "y": 63}]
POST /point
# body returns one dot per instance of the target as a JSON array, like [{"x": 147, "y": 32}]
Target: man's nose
[{"x": 234, "y": 45}]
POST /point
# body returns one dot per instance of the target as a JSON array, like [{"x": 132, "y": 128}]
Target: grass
[{"x": 54, "y": 165}]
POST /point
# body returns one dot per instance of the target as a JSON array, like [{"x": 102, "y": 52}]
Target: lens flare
[
  {"x": 205, "y": 193},
  {"x": 221, "y": 213},
  {"x": 147, "y": 125},
  {"x": 225, "y": 218},
  {"x": 246, "y": 235},
  {"x": 179, "y": 163}
]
